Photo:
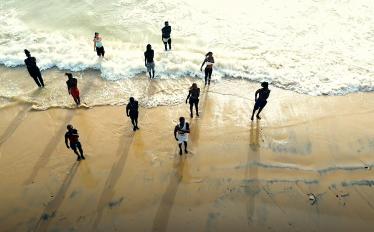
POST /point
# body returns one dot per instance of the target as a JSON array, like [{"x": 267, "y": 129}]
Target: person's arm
[
  {"x": 198, "y": 92},
  {"x": 94, "y": 43},
  {"x": 175, "y": 133},
  {"x": 66, "y": 141},
  {"x": 127, "y": 110},
  {"x": 257, "y": 92},
  {"x": 188, "y": 96},
  {"x": 187, "y": 130},
  {"x": 68, "y": 88},
  {"x": 212, "y": 60},
  {"x": 145, "y": 60},
  {"x": 201, "y": 68}
]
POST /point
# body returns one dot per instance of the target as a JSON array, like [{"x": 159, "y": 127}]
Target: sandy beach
[{"x": 306, "y": 166}]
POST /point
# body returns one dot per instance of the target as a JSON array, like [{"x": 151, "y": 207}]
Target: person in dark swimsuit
[
  {"x": 33, "y": 69},
  {"x": 72, "y": 136},
  {"x": 261, "y": 101},
  {"x": 72, "y": 84},
  {"x": 193, "y": 95},
  {"x": 209, "y": 61},
  {"x": 148, "y": 60},
  {"x": 166, "y": 31},
  {"x": 132, "y": 112},
  {"x": 181, "y": 132}
]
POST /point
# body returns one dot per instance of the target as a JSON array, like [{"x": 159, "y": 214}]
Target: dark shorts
[
  {"x": 134, "y": 115},
  {"x": 193, "y": 101},
  {"x": 75, "y": 145},
  {"x": 100, "y": 51},
  {"x": 260, "y": 104}
]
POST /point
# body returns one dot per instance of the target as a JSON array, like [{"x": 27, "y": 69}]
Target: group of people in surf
[{"x": 181, "y": 130}]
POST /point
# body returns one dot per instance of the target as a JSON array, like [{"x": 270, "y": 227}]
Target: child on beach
[
  {"x": 261, "y": 101},
  {"x": 193, "y": 96},
  {"x": 72, "y": 84},
  {"x": 181, "y": 132},
  {"x": 98, "y": 45},
  {"x": 132, "y": 112},
  {"x": 72, "y": 136},
  {"x": 209, "y": 61},
  {"x": 33, "y": 69},
  {"x": 149, "y": 63}
]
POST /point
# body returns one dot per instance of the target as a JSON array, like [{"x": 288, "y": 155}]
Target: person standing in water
[
  {"x": 132, "y": 112},
  {"x": 193, "y": 95},
  {"x": 166, "y": 31},
  {"x": 181, "y": 132},
  {"x": 72, "y": 84},
  {"x": 149, "y": 63},
  {"x": 33, "y": 69},
  {"x": 98, "y": 45},
  {"x": 209, "y": 61},
  {"x": 75, "y": 145},
  {"x": 261, "y": 100}
]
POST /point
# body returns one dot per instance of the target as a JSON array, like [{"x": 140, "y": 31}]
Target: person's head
[
  {"x": 166, "y": 23},
  {"x": 69, "y": 75},
  {"x": 27, "y": 52},
  {"x": 132, "y": 99},
  {"x": 181, "y": 119},
  {"x": 264, "y": 85},
  {"x": 96, "y": 34},
  {"x": 149, "y": 47},
  {"x": 209, "y": 54},
  {"x": 194, "y": 86},
  {"x": 69, "y": 127}
]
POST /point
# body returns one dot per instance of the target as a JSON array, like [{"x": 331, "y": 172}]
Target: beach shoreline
[{"x": 238, "y": 175}]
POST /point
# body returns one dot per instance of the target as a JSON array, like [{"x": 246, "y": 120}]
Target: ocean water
[{"x": 314, "y": 47}]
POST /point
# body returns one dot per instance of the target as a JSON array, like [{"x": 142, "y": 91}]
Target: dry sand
[{"x": 238, "y": 176}]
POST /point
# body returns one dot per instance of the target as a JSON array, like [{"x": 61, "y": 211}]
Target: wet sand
[{"x": 238, "y": 175}]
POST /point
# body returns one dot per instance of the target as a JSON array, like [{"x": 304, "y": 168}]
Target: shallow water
[{"x": 311, "y": 47}]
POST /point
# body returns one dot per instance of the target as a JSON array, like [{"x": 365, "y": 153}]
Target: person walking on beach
[
  {"x": 181, "y": 132},
  {"x": 33, "y": 69},
  {"x": 149, "y": 63},
  {"x": 261, "y": 100},
  {"x": 98, "y": 45},
  {"x": 166, "y": 31},
  {"x": 132, "y": 112},
  {"x": 209, "y": 61},
  {"x": 75, "y": 145},
  {"x": 72, "y": 84},
  {"x": 193, "y": 96}
]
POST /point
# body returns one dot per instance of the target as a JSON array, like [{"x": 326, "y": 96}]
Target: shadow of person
[
  {"x": 254, "y": 137},
  {"x": 52, "y": 207},
  {"x": 252, "y": 180},
  {"x": 113, "y": 177},
  {"x": 162, "y": 217}
]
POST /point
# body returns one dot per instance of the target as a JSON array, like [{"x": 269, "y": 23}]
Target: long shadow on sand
[
  {"x": 162, "y": 217},
  {"x": 53, "y": 206},
  {"x": 114, "y": 175},
  {"x": 252, "y": 172},
  {"x": 51, "y": 146},
  {"x": 13, "y": 125},
  {"x": 48, "y": 150}
]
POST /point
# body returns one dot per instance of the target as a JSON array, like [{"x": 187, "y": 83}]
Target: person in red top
[
  {"x": 73, "y": 90},
  {"x": 72, "y": 136}
]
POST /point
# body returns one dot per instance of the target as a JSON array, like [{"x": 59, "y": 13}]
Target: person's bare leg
[
  {"x": 180, "y": 148},
  {"x": 191, "y": 109},
  {"x": 253, "y": 114},
  {"x": 197, "y": 109},
  {"x": 185, "y": 147},
  {"x": 258, "y": 113},
  {"x": 76, "y": 152}
]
